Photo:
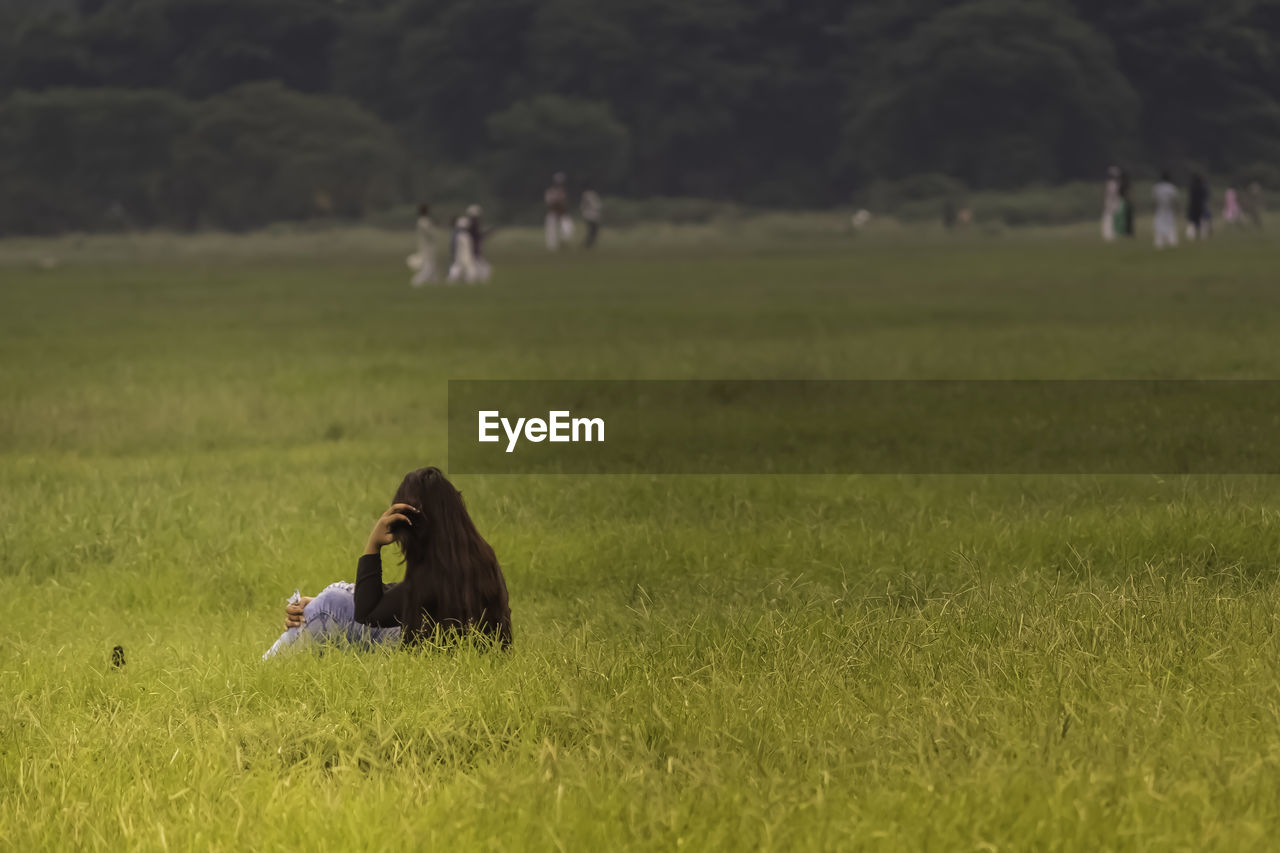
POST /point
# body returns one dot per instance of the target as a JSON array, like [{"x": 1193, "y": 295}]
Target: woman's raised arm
[{"x": 377, "y": 603}]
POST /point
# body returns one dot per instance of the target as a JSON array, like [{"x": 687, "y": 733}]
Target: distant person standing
[
  {"x": 557, "y": 201},
  {"x": 1198, "y": 222},
  {"x": 1166, "y": 219},
  {"x": 1231, "y": 207},
  {"x": 1126, "y": 203},
  {"x": 464, "y": 259},
  {"x": 477, "y": 232},
  {"x": 1111, "y": 204},
  {"x": 425, "y": 259},
  {"x": 592, "y": 209}
]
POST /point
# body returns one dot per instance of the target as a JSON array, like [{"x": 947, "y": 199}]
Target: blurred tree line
[{"x": 239, "y": 112}]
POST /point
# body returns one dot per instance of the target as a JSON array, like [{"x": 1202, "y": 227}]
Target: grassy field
[{"x": 190, "y": 430}]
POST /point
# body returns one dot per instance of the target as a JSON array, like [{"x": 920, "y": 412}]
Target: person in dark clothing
[
  {"x": 478, "y": 233},
  {"x": 452, "y": 587},
  {"x": 1126, "y": 202},
  {"x": 1198, "y": 208},
  {"x": 592, "y": 209}
]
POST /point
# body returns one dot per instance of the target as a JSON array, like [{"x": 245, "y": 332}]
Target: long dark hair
[{"x": 452, "y": 581}]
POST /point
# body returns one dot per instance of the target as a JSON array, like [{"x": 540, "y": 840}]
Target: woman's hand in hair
[
  {"x": 382, "y": 534},
  {"x": 293, "y": 617}
]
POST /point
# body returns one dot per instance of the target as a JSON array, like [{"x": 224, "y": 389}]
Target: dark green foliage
[
  {"x": 195, "y": 47},
  {"x": 87, "y": 158},
  {"x": 765, "y": 102},
  {"x": 1209, "y": 75},
  {"x": 262, "y": 152},
  {"x": 997, "y": 92},
  {"x": 549, "y": 133}
]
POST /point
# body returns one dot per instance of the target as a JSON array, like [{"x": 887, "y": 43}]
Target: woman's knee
[{"x": 335, "y": 602}]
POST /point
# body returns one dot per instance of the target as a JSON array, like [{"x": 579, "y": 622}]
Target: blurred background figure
[
  {"x": 1251, "y": 204},
  {"x": 557, "y": 200},
  {"x": 1230, "y": 207},
  {"x": 477, "y": 233},
  {"x": 1126, "y": 203},
  {"x": 424, "y": 261},
  {"x": 1199, "y": 224},
  {"x": 592, "y": 208},
  {"x": 463, "y": 267},
  {"x": 1111, "y": 204},
  {"x": 1165, "y": 195},
  {"x": 117, "y": 218}
]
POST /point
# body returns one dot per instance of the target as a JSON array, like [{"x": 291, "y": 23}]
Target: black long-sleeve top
[
  {"x": 377, "y": 603},
  {"x": 381, "y": 604}
]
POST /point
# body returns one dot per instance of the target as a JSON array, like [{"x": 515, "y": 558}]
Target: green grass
[{"x": 946, "y": 663}]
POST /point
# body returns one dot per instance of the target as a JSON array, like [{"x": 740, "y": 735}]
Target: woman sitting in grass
[{"x": 452, "y": 583}]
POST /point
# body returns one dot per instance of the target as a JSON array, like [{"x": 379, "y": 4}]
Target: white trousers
[
  {"x": 463, "y": 269},
  {"x": 557, "y": 227},
  {"x": 1166, "y": 231},
  {"x": 464, "y": 261},
  {"x": 426, "y": 272},
  {"x": 1109, "y": 222}
]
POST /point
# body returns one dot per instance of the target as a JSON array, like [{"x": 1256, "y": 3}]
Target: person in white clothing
[
  {"x": 424, "y": 261},
  {"x": 1166, "y": 219},
  {"x": 464, "y": 259}
]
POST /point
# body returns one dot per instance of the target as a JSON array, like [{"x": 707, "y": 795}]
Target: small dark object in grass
[{"x": 117, "y": 656}]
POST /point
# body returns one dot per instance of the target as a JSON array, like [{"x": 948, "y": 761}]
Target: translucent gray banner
[{"x": 867, "y": 427}]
